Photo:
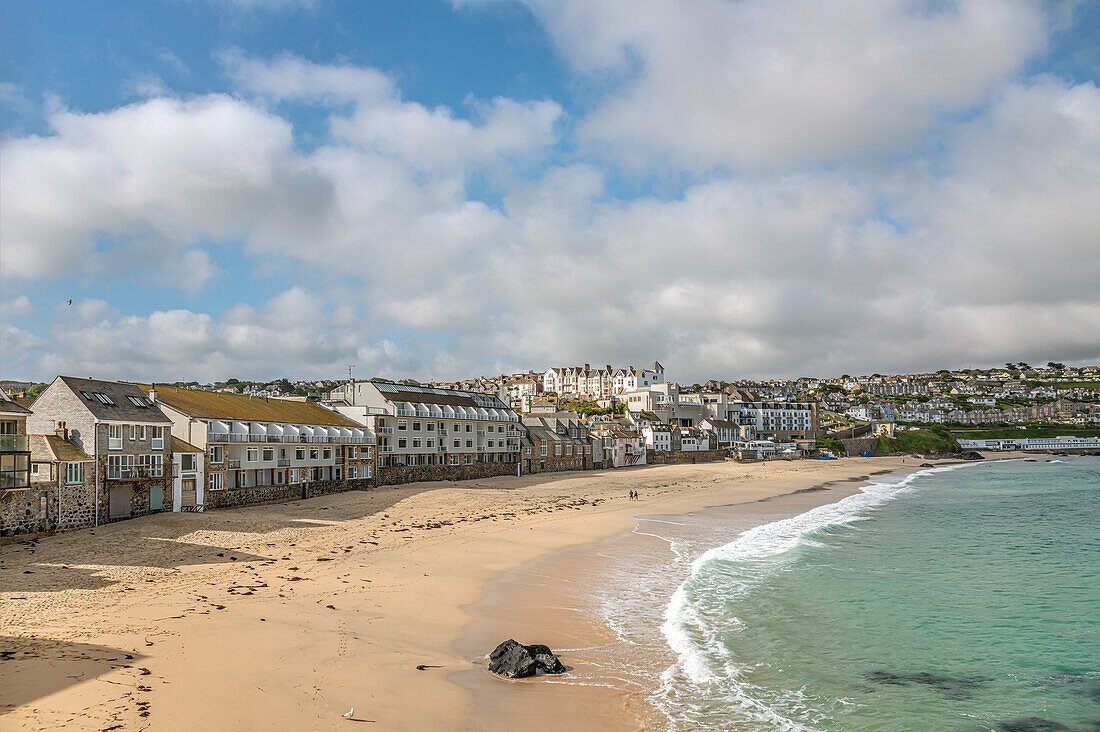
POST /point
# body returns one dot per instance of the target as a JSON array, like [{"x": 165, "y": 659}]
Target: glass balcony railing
[{"x": 14, "y": 443}]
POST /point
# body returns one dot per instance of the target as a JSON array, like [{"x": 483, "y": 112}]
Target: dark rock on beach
[
  {"x": 514, "y": 660},
  {"x": 927, "y": 465},
  {"x": 972, "y": 456},
  {"x": 952, "y": 687}
]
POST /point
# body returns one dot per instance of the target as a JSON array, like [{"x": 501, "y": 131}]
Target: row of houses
[{"x": 87, "y": 451}]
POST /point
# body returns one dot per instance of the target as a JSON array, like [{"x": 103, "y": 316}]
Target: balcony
[
  {"x": 283, "y": 462},
  {"x": 441, "y": 448},
  {"x": 385, "y": 448},
  {"x": 14, "y": 443},
  {"x": 236, "y": 437},
  {"x": 481, "y": 433},
  {"x": 385, "y": 430},
  {"x": 442, "y": 430},
  {"x": 132, "y": 472},
  {"x": 233, "y": 464}
]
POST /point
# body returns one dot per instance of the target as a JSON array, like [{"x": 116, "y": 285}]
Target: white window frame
[
  {"x": 217, "y": 481},
  {"x": 114, "y": 437},
  {"x": 268, "y": 451},
  {"x": 252, "y": 455},
  {"x": 217, "y": 453},
  {"x": 157, "y": 438}
]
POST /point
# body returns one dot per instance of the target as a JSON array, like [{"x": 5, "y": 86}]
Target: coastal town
[{"x": 80, "y": 452}]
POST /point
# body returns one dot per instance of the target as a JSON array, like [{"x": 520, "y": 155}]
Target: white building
[{"x": 417, "y": 425}]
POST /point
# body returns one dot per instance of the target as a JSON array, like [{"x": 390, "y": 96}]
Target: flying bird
[
  {"x": 349, "y": 713},
  {"x": 70, "y": 302}
]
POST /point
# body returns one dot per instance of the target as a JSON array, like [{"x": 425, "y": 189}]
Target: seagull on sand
[{"x": 349, "y": 713}]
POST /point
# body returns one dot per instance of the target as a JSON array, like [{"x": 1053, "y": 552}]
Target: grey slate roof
[{"x": 122, "y": 409}]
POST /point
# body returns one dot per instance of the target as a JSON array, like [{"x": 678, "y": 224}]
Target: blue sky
[{"x": 433, "y": 189}]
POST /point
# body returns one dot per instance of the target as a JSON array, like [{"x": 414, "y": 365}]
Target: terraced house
[
  {"x": 419, "y": 426},
  {"x": 117, "y": 434},
  {"x": 261, "y": 449},
  {"x": 556, "y": 443}
]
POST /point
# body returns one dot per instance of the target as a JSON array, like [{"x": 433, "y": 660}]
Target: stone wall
[
  {"x": 401, "y": 474},
  {"x": 683, "y": 457},
  {"x": 256, "y": 495},
  {"x": 551, "y": 464},
  {"x": 858, "y": 445},
  {"x": 28, "y": 510}
]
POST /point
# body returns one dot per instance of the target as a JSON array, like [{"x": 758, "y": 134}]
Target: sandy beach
[{"x": 286, "y": 616}]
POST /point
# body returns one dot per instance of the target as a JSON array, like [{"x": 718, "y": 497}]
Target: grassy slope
[{"x": 917, "y": 441}]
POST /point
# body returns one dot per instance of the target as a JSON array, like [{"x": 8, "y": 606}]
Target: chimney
[
  {"x": 153, "y": 392},
  {"x": 62, "y": 431},
  {"x": 587, "y": 367}
]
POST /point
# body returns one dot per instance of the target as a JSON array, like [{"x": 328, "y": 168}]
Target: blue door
[{"x": 156, "y": 498}]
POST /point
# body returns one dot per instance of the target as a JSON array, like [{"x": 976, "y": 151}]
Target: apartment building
[
  {"x": 657, "y": 437},
  {"x": 122, "y": 431},
  {"x": 261, "y": 449},
  {"x": 779, "y": 421},
  {"x": 418, "y": 425},
  {"x": 673, "y": 405}
]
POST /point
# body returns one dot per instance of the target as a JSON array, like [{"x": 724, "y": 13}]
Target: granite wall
[
  {"x": 401, "y": 474},
  {"x": 256, "y": 495},
  {"x": 683, "y": 457}
]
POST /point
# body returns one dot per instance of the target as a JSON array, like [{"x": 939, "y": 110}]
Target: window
[
  {"x": 453, "y": 459},
  {"x": 430, "y": 443},
  {"x": 35, "y": 467},
  {"x": 156, "y": 465},
  {"x": 133, "y": 432},
  {"x": 402, "y": 424},
  {"x": 252, "y": 455},
  {"x": 137, "y": 401},
  {"x": 114, "y": 437},
  {"x": 217, "y": 454},
  {"x": 187, "y": 461},
  {"x": 416, "y": 426},
  {"x": 468, "y": 427},
  {"x": 300, "y": 454},
  {"x": 490, "y": 443},
  {"x": 336, "y": 473},
  {"x": 312, "y": 474},
  {"x": 279, "y": 477},
  {"x": 458, "y": 443},
  {"x": 103, "y": 398},
  {"x": 141, "y": 432},
  {"x": 327, "y": 453},
  {"x": 430, "y": 426},
  {"x": 366, "y": 452},
  {"x": 294, "y": 475},
  {"x": 353, "y": 473},
  {"x": 568, "y": 448},
  {"x": 402, "y": 442},
  {"x": 542, "y": 449},
  {"x": 353, "y": 452},
  {"x": 416, "y": 442},
  {"x": 86, "y": 395},
  {"x": 269, "y": 453},
  {"x": 527, "y": 450},
  {"x": 314, "y": 453},
  {"x": 469, "y": 460},
  {"x": 458, "y": 427},
  {"x": 217, "y": 481},
  {"x": 557, "y": 449},
  {"x": 469, "y": 443},
  {"x": 158, "y": 438}
]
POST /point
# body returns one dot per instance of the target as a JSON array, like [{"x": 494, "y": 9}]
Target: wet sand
[{"x": 286, "y": 616}]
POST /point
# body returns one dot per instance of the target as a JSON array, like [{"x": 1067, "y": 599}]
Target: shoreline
[
  {"x": 549, "y": 600},
  {"x": 306, "y": 609}
]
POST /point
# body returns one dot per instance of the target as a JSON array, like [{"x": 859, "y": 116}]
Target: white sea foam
[{"x": 702, "y": 658}]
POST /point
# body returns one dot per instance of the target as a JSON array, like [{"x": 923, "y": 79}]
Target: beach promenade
[{"x": 285, "y": 616}]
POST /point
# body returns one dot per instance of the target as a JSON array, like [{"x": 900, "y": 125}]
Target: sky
[{"x": 257, "y": 189}]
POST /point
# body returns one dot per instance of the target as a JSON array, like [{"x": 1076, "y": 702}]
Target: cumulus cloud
[
  {"x": 979, "y": 251},
  {"x": 767, "y": 84}
]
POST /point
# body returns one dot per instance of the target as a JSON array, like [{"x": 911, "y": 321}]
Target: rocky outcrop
[{"x": 514, "y": 660}]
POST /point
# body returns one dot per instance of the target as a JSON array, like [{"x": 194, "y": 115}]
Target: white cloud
[
  {"x": 772, "y": 84},
  {"x": 18, "y": 306}
]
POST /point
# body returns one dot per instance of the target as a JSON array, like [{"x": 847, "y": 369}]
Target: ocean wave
[{"x": 688, "y": 628}]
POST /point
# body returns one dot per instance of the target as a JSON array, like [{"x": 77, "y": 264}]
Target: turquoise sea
[{"x": 965, "y": 598}]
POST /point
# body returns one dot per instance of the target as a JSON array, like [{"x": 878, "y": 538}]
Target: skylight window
[
  {"x": 86, "y": 395},
  {"x": 137, "y": 401},
  {"x": 103, "y": 398}
]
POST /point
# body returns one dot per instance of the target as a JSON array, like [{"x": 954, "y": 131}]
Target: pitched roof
[
  {"x": 53, "y": 448},
  {"x": 179, "y": 445},
  {"x": 121, "y": 407},
  {"x": 8, "y": 405},
  {"x": 221, "y": 405}
]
